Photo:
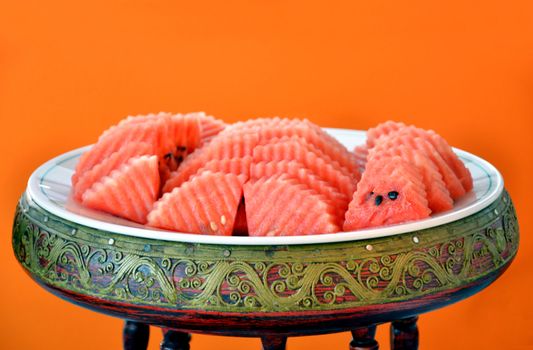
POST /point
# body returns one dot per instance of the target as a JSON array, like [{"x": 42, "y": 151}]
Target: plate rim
[{"x": 34, "y": 195}]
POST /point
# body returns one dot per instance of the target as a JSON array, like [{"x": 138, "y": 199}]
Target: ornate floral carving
[{"x": 328, "y": 276}]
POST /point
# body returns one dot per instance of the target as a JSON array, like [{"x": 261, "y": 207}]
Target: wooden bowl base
[{"x": 403, "y": 336}]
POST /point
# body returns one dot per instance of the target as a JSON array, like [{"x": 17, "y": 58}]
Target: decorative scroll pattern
[{"x": 333, "y": 276}]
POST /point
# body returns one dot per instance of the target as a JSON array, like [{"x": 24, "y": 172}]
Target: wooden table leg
[
  {"x": 363, "y": 339},
  {"x": 274, "y": 342},
  {"x": 135, "y": 335},
  {"x": 404, "y": 334},
  {"x": 175, "y": 340}
]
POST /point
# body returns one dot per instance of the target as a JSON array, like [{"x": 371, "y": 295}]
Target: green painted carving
[{"x": 257, "y": 278}]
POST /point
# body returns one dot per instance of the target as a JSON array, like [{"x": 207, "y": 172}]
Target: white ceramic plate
[{"x": 49, "y": 187}]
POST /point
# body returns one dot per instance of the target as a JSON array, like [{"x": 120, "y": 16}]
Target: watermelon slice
[
  {"x": 209, "y": 127},
  {"x": 361, "y": 152},
  {"x": 440, "y": 144},
  {"x": 310, "y": 158},
  {"x": 310, "y": 135},
  {"x": 114, "y": 161},
  {"x": 452, "y": 159},
  {"x": 258, "y": 123},
  {"x": 445, "y": 151},
  {"x": 269, "y": 128},
  {"x": 380, "y": 130},
  {"x": 237, "y": 166},
  {"x": 206, "y": 204},
  {"x": 129, "y": 191},
  {"x": 390, "y": 192},
  {"x": 221, "y": 147},
  {"x": 171, "y": 135},
  {"x": 295, "y": 170},
  {"x": 280, "y": 206},
  {"x": 453, "y": 184},
  {"x": 437, "y": 194}
]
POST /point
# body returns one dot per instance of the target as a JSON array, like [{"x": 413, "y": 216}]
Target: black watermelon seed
[
  {"x": 181, "y": 148},
  {"x": 393, "y": 195},
  {"x": 379, "y": 199},
  {"x": 371, "y": 193},
  {"x": 167, "y": 156},
  {"x": 179, "y": 159}
]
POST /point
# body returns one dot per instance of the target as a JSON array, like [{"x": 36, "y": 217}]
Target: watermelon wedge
[
  {"x": 438, "y": 196},
  {"x": 172, "y": 136},
  {"x": 361, "y": 152},
  {"x": 307, "y": 134},
  {"x": 114, "y": 161},
  {"x": 280, "y": 206},
  {"x": 295, "y": 170},
  {"x": 453, "y": 184},
  {"x": 237, "y": 166},
  {"x": 311, "y": 158},
  {"x": 380, "y": 130},
  {"x": 207, "y": 204},
  {"x": 209, "y": 127},
  {"x": 129, "y": 191},
  {"x": 440, "y": 144},
  {"x": 390, "y": 191},
  {"x": 223, "y": 146}
]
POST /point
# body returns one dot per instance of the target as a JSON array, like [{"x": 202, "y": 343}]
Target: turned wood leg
[
  {"x": 274, "y": 342},
  {"x": 404, "y": 334},
  {"x": 363, "y": 339},
  {"x": 175, "y": 340},
  {"x": 135, "y": 335}
]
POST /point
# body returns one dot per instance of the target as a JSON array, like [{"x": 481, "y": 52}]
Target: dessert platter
[{"x": 267, "y": 282}]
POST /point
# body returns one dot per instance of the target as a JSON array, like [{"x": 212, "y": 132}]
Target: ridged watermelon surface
[
  {"x": 390, "y": 191},
  {"x": 207, "y": 204},
  {"x": 310, "y": 158},
  {"x": 360, "y": 153},
  {"x": 280, "y": 206},
  {"x": 453, "y": 184},
  {"x": 220, "y": 147},
  {"x": 129, "y": 191},
  {"x": 105, "y": 167},
  {"x": 295, "y": 170},
  {"x": 437, "y": 194},
  {"x": 266, "y": 176},
  {"x": 172, "y": 136}
]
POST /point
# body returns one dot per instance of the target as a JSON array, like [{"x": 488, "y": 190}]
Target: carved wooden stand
[{"x": 403, "y": 336}]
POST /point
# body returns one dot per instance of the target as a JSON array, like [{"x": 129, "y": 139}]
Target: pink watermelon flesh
[
  {"x": 310, "y": 158},
  {"x": 295, "y": 170},
  {"x": 453, "y": 184},
  {"x": 129, "y": 191},
  {"x": 452, "y": 159},
  {"x": 207, "y": 204},
  {"x": 440, "y": 144},
  {"x": 173, "y": 136},
  {"x": 279, "y": 206},
  {"x": 237, "y": 166},
  {"x": 390, "y": 192},
  {"x": 114, "y": 161},
  {"x": 256, "y": 124},
  {"x": 276, "y": 128},
  {"x": 209, "y": 127},
  {"x": 315, "y": 138},
  {"x": 380, "y": 130},
  {"x": 437, "y": 194},
  {"x": 220, "y": 147},
  {"x": 361, "y": 152},
  {"x": 445, "y": 151}
]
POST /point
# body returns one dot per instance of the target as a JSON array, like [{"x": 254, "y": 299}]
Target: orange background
[{"x": 69, "y": 69}]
